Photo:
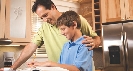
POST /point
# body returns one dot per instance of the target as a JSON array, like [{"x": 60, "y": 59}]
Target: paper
[{"x": 44, "y": 69}]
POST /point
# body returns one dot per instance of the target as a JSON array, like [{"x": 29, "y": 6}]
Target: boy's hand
[{"x": 31, "y": 64}]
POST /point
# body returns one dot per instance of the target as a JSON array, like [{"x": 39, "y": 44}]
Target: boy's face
[
  {"x": 46, "y": 15},
  {"x": 67, "y": 31}
]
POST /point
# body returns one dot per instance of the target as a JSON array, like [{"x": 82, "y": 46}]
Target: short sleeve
[
  {"x": 86, "y": 29},
  {"x": 38, "y": 37}
]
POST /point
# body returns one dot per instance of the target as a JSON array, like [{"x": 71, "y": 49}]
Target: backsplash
[{"x": 16, "y": 49}]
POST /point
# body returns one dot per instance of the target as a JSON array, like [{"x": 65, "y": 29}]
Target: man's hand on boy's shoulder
[{"x": 89, "y": 41}]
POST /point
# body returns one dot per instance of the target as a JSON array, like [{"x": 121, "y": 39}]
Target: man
[
  {"x": 75, "y": 56},
  {"x": 50, "y": 34}
]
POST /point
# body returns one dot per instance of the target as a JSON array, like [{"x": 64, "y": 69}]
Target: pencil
[{"x": 34, "y": 57}]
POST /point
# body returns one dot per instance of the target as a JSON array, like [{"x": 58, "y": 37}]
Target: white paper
[{"x": 44, "y": 69}]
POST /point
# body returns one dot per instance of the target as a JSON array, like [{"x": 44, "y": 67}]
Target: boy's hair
[
  {"x": 46, "y": 3},
  {"x": 67, "y": 19}
]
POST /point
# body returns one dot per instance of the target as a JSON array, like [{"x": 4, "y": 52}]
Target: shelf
[
  {"x": 97, "y": 18},
  {"x": 96, "y": 5},
  {"x": 97, "y": 26},
  {"x": 97, "y": 22},
  {"x": 96, "y": 1},
  {"x": 97, "y": 12},
  {"x": 98, "y": 30},
  {"x": 97, "y": 15},
  {"x": 96, "y": 9}
]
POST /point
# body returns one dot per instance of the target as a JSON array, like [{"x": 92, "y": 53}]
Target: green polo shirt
[{"x": 53, "y": 39}]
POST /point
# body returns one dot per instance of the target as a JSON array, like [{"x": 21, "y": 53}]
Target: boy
[{"x": 75, "y": 56}]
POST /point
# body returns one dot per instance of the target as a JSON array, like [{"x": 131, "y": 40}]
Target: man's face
[
  {"x": 67, "y": 31},
  {"x": 45, "y": 14}
]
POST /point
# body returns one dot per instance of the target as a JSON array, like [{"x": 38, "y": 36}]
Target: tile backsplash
[{"x": 16, "y": 49}]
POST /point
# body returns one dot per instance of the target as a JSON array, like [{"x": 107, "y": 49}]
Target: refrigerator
[{"x": 118, "y": 45}]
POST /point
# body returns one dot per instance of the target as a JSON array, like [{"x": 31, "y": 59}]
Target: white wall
[{"x": 64, "y": 5}]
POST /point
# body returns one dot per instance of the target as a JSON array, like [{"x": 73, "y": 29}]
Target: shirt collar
[{"x": 78, "y": 41}]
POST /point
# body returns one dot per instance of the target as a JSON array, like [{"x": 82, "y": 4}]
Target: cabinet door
[
  {"x": 18, "y": 22},
  {"x": 2, "y": 18},
  {"x": 111, "y": 10},
  {"x": 129, "y": 9}
]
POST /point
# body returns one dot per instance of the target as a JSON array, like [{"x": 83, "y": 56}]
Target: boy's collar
[{"x": 78, "y": 41}]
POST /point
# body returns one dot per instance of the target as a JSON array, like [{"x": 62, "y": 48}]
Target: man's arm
[
  {"x": 25, "y": 55},
  {"x": 91, "y": 38},
  {"x": 97, "y": 41}
]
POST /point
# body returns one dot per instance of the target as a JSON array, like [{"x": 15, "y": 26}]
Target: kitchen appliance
[
  {"x": 118, "y": 45},
  {"x": 8, "y": 58}
]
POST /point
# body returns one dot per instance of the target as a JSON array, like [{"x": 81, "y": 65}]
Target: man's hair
[
  {"x": 67, "y": 19},
  {"x": 46, "y": 3}
]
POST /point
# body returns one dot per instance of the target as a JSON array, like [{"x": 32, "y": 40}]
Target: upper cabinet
[
  {"x": 128, "y": 9},
  {"x": 18, "y": 20},
  {"x": 116, "y": 10},
  {"x": 2, "y": 18}
]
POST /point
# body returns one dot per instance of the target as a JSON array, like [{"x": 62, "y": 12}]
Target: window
[{"x": 36, "y": 23}]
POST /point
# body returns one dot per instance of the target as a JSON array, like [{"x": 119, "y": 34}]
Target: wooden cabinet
[
  {"x": 90, "y": 9},
  {"x": 15, "y": 20},
  {"x": 116, "y": 10},
  {"x": 128, "y": 9},
  {"x": 2, "y": 18}
]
